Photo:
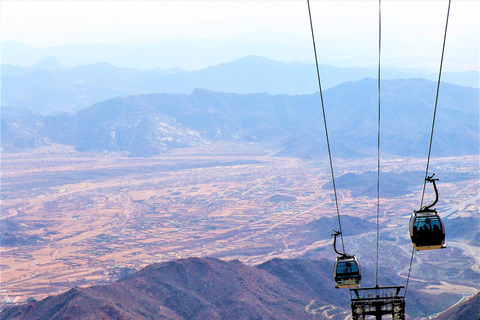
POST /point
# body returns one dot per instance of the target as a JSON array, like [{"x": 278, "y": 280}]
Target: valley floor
[{"x": 74, "y": 219}]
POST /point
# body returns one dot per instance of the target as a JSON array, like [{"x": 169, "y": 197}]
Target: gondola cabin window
[
  {"x": 427, "y": 232},
  {"x": 347, "y": 273}
]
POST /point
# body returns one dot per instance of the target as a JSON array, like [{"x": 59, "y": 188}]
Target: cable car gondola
[
  {"x": 347, "y": 271},
  {"x": 426, "y": 228}
]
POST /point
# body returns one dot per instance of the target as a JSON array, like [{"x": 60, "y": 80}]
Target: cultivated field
[{"x": 72, "y": 219}]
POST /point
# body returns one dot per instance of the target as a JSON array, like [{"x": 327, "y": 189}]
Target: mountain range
[
  {"x": 165, "y": 53},
  {"x": 145, "y": 125},
  {"x": 49, "y": 87},
  {"x": 208, "y": 288}
]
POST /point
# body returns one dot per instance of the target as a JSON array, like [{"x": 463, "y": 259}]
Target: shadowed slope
[
  {"x": 194, "y": 288},
  {"x": 467, "y": 310}
]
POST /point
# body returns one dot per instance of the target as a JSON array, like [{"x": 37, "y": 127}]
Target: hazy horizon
[{"x": 346, "y": 31}]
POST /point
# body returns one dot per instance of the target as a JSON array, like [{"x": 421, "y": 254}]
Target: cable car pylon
[{"x": 378, "y": 301}]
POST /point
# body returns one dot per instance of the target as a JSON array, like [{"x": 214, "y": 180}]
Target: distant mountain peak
[
  {"x": 257, "y": 59},
  {"x": 49, "y": 63},
  {"x": 97, "y": 66}
]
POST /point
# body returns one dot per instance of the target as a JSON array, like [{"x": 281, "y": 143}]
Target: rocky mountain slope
[
  {"x": 48, "y": 87},
  {"x": 292, "y": 125},
  {"x": 199, "y": 288},
  {"x": 208, "y": 288},
  {"x": 467, "y": 310}
]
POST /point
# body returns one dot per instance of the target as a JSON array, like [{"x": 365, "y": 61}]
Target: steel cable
[
  {"x": 378, "y": 127},
  {"x": 325, "y": 124},
  {"x": 433, "y": 126}
]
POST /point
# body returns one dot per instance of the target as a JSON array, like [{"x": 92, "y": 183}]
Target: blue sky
[{"x": 412, "y": 30}]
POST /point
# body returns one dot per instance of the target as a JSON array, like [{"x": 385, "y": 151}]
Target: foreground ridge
[{"x": 201, "y": 288}]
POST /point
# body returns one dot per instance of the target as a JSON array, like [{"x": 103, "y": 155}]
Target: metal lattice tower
[{"x": 378, "y": 301}]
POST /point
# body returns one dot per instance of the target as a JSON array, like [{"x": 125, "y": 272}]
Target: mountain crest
[{"x": 49, "y": 63}]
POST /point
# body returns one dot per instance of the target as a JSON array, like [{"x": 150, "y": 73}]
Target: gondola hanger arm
[
  {"x": 427, "y": 208},
  {"x": 335, "y": 234}
]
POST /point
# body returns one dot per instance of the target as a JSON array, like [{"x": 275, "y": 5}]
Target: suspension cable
[
  {"x": 409, "y": 269},
  {"x": 433, "y": 126},
  {"x": 436, "y": 101},
  {"x": 325, "y": 124},
  {"x": 378, "y": 127}
]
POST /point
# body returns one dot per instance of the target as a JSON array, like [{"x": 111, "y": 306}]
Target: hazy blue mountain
[
  {"x": 10, "y": 70},
  {"x": 49, "y": 63},
  {"x": 164, "y": 54},
  {"x": 47, "y": 88},
  {"x": 200, "y": 53},
  {"x": 19, "y": 53},
  {"x": 48, "y": 91},
  {"x": 255, "y": 74},
  {"x": 22, "y": 129},
  {"x": 292, "y": 125}
]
